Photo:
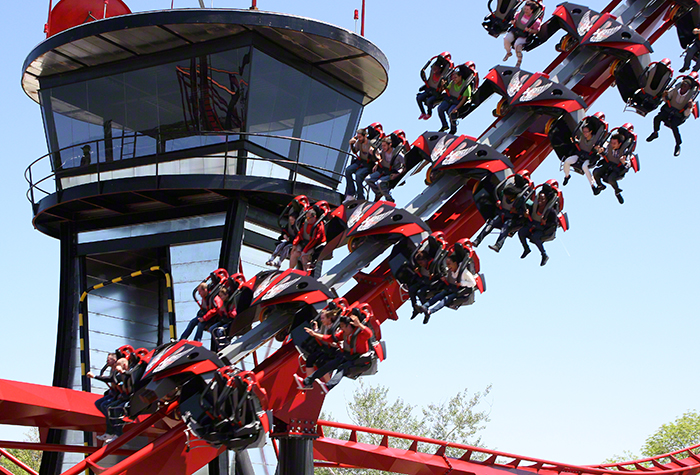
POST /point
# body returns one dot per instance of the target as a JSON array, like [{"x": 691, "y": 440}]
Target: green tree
[
  {"x": 676, "y": 435},
  {"x": 679, "y": 434},
  {"x": 626, "y": 456},
  {"x": 458, "y": 419},
  {"x": 31, "y": 458}
]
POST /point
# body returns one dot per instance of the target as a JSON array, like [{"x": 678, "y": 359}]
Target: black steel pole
[
  {"x": 296, "y": 455},
  {"x": 243, "y": 466},
  {"x": 70, "y": 280}
]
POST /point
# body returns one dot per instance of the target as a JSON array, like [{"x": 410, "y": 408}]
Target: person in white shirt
[
  {"x": 677, "y": 107},
  {"x": 457, "y": 284}
]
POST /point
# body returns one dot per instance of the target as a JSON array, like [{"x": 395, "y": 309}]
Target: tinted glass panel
[
  {"x": 287, "y": 102},
  {"x": 186, "y": 104},
  {"x": 277, "y": 97},
  {"x": 329, "y": 119},
  {"x": 164, "y": 108}
]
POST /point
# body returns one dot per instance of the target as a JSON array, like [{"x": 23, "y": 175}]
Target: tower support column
[
  {"x": 70, "y": 279},
  {"x": 296, "y": 446},
  {"x": 232, "y": 240},
  {"x": 296, "y": 455}
]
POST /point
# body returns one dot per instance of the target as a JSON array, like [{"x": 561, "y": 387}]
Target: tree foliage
[
  {"x": 31, "y": 458},
  {"x": 626, "y": 456},
  {"x": 679, "y": 434},
  {"x": 458, "y": 419},
  {"x": 676, "y": 435}
]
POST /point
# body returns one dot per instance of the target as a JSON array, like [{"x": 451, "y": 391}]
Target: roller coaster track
[
  {"x": 447, "y": 206},
  {"x": 394, "y": 452}
]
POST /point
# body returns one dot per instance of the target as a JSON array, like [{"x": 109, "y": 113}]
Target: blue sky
[{"x": 587, "y": 356}]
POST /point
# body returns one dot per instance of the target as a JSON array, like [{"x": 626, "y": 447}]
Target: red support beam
[
  {"x": 46, "y": 406},
  {"x": 73, "y": 449},
  {"x": 169, "y": 454},
  {"x": 109, "y": 449}
]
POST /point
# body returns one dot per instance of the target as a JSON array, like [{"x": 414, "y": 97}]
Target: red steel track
[
  {"x": 34, "y": 405},
  {"x": 470, "y": 460}
]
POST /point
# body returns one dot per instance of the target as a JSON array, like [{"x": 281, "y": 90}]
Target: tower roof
[{"x": 342, "y": 54}]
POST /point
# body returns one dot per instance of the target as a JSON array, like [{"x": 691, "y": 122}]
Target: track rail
[{"x": 425, "y": 455}]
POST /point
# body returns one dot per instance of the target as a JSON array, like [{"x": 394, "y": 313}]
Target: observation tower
[{"x": 175, "y": 139}]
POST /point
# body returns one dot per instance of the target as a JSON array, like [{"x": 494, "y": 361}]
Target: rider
[
  {"x": 543, "y": 221},
  {"x": 456, "y": 94},
  {"x": 200, "y": 321},
  {"x": 422, "y": 282},
  {"x": 325, "y": 351},
  {"x": 513, "y": 200},
  {"x": 456, "y": 285},
  {"x": 690, "y": 53},
  {"x": 390, "y": 165},
  {"x": 525, "y": 23},
  {"x": 614, "y": 166},
  {"x": 284, "y": 243},
  {"x": 110, "y": 395},
  {"x": 361, "y": 165},
  {"x": 111, "y": 398},
  {"x": 355, "y": 350},
  {"x": 225, "y": 315},
  {"x": 429, "y": 94},
  {"x": 676, "y": 109},
  {"x": 311, "y": 235},
  {"x": 586, "y": 142}
]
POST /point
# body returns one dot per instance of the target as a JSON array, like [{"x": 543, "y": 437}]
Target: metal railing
[
  {"x": 680, "y": 462},
  {"x": 38, "y": 188},
  {"x": 16, "y": 462}
]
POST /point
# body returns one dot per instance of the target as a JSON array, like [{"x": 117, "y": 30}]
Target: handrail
[
  {"x": 517, "y": 460},
  {"x": 29, "y": 176},
  {"x": 17, "y": 462},
  {"x": 671, "y": 456}
]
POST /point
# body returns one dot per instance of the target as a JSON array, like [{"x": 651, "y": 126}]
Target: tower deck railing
[{"x": 48, "y": 174}]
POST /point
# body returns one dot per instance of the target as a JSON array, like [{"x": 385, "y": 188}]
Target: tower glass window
[
  {"x": 196, "y": 101},
  {"x": 165, "y": 108}
]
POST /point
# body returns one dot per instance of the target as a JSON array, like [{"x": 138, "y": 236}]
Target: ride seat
[
  {"x": 598, "y": 127},
  {"x": 366, "y": 365},
  {"x": 467, "y": 257},
  {"x": 375, "y": 135},
  {"x": 505, "y": 9},
  {"x": 658, "y": 77},
  {"x": 434, "y": 249},
  {"x": 467, "y": 299},
  {"x": 630, "y": 142},
  {"x": 436, "y": 265},
  {"x": 549, "y": 236}
]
